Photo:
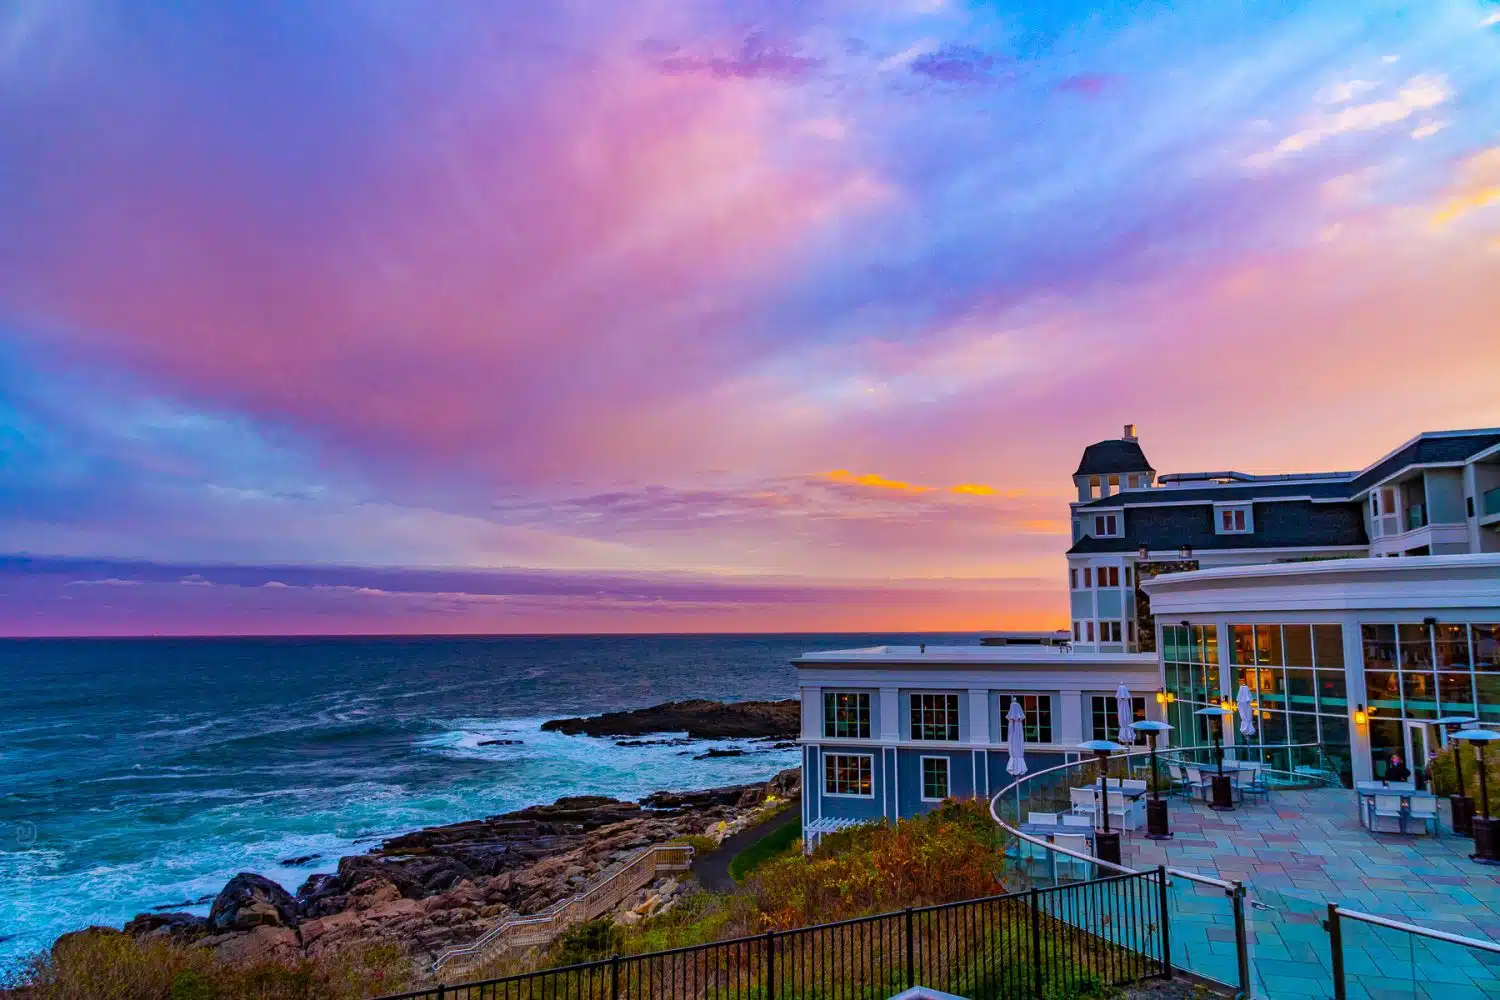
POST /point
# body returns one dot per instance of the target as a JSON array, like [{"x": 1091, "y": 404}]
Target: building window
[
  {"x": 1077, "y": 633},
  {"x": 1088, "y": 577},
  {"x": 1109, "y": 576},
  {"x": 850, "y": 774},
  {"x": 1235, "y": 521},
  {"x": 1109, "y": 631},
  {"x": 1072, "y": 579},
  {"x": 1088, "y": 628},
  {"x": 1127, "y": 576},
  {"x": 934, "y": 717},
  {"x": 1130, "y": 629},
  {"x": 846, "y": 715},
  {"x": 1038, "y": 709},
  {"x": 1133, "y": 482},
  {"x": 934, "y": 779},
  {"x": 1106, "y": 525},
  {"x": 1105, "y": 715},
  {"x": 1093, "y": 486}
]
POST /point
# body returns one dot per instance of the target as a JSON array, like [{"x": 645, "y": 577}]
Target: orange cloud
[
  {"x": 1478, "y": 187},
  {"x": 877, "y": 482}
]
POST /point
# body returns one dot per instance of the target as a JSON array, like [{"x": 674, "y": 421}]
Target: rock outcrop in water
[
  {"x": 431, "y": 889},
  {"x": 699, "y": 718}
]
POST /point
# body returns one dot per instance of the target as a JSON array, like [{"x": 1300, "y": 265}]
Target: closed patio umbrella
[
  {"x": 1015, "y": 738},
  {"x": 1247, "y": 712},
  {"x": 1122, "y": 708}
]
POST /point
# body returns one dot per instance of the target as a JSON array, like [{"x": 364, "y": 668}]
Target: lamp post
[
  {"x": 1106, "y": 844},
  {"x": 1459, "y": 803},
  {"x": 1486, "y": 830},
  {"x": 1156, "y": 806},
  {"x": 1223, "y": 792}
]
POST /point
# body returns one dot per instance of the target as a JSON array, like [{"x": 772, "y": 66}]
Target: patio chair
[
  {"x": 1425, "y": 811},
  {"x": 1074, "y": 867},
  {"x": 1386, "y": 807},
  {"x": 1084, "y": 801},
  {"x": 1119, "y": 808},
  {"x": 1179, "y": 781},
  {"x": 1197, "y": 784},
  {"x": 1041, "y": 819},
  {"x": 1075, "y": 820},
  {"x": 1255, "y": 784}
]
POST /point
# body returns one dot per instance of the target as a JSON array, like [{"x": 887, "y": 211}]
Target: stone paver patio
[{"x": 1295, "y": 854}]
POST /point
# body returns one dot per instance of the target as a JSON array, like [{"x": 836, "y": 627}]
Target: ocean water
[{"x": 144, "y": 773}]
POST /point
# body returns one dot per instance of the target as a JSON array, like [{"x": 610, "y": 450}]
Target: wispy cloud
[{"x": 1420, "y": 93}]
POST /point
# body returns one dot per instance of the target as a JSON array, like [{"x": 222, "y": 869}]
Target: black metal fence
[{"x": 1026, "y": 945}]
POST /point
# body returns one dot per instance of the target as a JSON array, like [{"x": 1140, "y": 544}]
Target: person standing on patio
[{"x": 1396, "y": 769}]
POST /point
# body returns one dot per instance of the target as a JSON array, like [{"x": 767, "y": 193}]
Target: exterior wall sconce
[
  {"x": 1186, "y": 552},
  {"x": 1144, "y": 552},
  {"x": 1161, "y": 696},
  {"x": 1360, "y": 718},
  {"x": 1227, "y": 705}
]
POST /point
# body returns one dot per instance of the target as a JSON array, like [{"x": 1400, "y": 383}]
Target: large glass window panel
[
  {"x": 1456, "y": 693},
  {"x": 1242, "y": 643},
  {"x": 934, "y": 717},
  {"x": 1299, "y": 649},
  {"x": 1211, "y": 680},
  {"x": 1272, "y": 726},
  {"x": 1303, "y": 728},
  {"x": 1328, "y": 645},
  {"x": 1248, "y": 677},
  {"x": 1420, "y": 690},
  {"x": 1452, "y": 647},
  {"x": 1300, "y": 689},
  {"x": 1210, "y": 644},
  {"x": 1385, "y": 740},
  {"x": 1416, "y": 647},
  {"x": 1272, "y": 688},
  {"x": 846, "y": 715},
  {"x": 1487, "y": 686},
  {"x": 1268, "y": 644},
  {"x": 1486, "y": 646},
  {"x": 1380, "y": 646},
  {"x": 1332, "y": 699},
  {"x": 1383, "y": 690},
  {"x": 1037, "y": 728}
]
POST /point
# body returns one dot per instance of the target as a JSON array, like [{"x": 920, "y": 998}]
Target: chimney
[{"x": 1130, "y": 432}]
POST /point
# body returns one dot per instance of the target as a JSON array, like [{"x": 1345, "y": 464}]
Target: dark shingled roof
[
  {"x": 1335, "y": 490},
  {"x": 1279, "y": 525},
  {"x": 1109, "y": 457},
  {"x": 1456, "y": 448}
]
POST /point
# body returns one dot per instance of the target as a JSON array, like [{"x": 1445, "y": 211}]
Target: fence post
[
  {"x": 1336, "y": 946},
  {"x": 440, "y": 991},
  {"x": 614, "y": 977},
  {"x": 911, "y": 964},
  {"x": 1241, "y": 945},
  {"x": 770, "y": 965},
  {"x": 1166, "y": 933},
  {"x": 1036, "y": 943}
]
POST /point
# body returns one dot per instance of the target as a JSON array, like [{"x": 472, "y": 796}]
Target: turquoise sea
[{"x": 142, "y": 773}]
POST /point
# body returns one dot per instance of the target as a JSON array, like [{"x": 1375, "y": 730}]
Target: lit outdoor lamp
[
  {"x": 1223, "y": 791},
  {"x": 1486, "y": 830},
  {"x": 1460, "y": 803},
  {"x": 1106, "y": 844},
  {"x": 1360, "y": 718},
  {"x": 1156, "y": 806}
]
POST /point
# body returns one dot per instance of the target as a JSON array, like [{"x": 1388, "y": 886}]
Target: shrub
[
  {"x": 697, "y": 841},
  {"x": 949, "y": 854},
  {"x": 779, "y": 841}
]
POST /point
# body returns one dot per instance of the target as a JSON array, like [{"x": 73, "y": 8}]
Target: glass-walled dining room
[{"x": 1298, "y": 688}]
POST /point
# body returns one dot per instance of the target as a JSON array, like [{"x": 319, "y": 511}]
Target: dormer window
[
  {"x": 1106, "y": 525},
  {"x": 1235, "y": 520}
]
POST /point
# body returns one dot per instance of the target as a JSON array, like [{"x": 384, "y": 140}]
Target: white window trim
[
  {"x": 1118, "y": 513},
  {"x": 922, "y": 776},
  {"x": 1220, "y": 508},
  {"x": 847, "y": 739},
  {"x": 1052, "y": 723},
  {"x": 848, "y": 795},
  {"x": 911, "y": 713}
]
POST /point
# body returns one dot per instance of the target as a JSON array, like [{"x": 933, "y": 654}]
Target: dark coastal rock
[
  {"x": 680, "y": 741},
  {"x": 717, "y": 752},
  {"x": 698, "y": 718},
  {"x": 249, "y": 901},
  {"x": 320, "y": 896},
  {"x": 186, "y": 902},
  {"x": 180, "y": 927},
  {"x": 500, "y": 743},
  {"x": 300, "y": 860}
]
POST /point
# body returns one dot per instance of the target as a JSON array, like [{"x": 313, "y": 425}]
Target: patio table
[{"x": 1367, "y": 790}]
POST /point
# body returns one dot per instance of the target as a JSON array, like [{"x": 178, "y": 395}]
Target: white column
[
  {"x": 890, "y": 715},
  {"x": 1354, "y": 682},
  {"x": 812, "y": 713},
  {"x": 979, "y": 715},
  {"x": 1070, "y": 717}
]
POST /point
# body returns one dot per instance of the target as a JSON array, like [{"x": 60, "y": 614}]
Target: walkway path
[
  {"x": 712, "y": 868},
  {"x": 1305, "y": 849}
]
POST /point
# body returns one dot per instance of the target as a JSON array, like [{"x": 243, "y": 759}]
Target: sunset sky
[{"x": 363, "y": 316}]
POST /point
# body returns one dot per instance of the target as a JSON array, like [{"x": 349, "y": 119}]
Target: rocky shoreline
[{"x": 431, "y": 889}]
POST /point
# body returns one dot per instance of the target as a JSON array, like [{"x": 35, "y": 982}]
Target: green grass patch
[{"x": 773, "y": 845}]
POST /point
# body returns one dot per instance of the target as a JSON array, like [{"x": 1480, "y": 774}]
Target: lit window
[
  {"x": 846, "y": 715},
  {"x": 1105, "y": 715},
  {"x": 849, "y": 774},
  {"x": 1109, "y": 576},
  {"x": 934, "y": 779},
  {"x": 934, "y": 717},
  {"x": 1038, "y": 709},
  {"x": 1133, "y": 482}
]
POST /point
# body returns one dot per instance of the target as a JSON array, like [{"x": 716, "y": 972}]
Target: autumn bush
[
  {"x": 108, "y": 965},
  {"x": 953, "y": 852},
  {"x": 1445, "y": 781}
]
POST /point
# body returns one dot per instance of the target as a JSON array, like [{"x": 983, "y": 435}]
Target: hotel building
[{"x": 1358, "y": 607}]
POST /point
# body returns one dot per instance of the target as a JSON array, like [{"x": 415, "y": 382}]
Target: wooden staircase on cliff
[{"x": 599, "y": 897}]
